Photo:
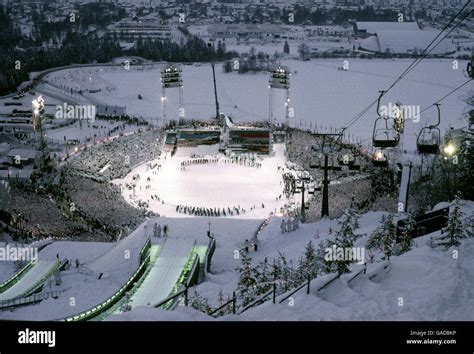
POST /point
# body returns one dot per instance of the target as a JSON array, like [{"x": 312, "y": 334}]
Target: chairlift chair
[
  {"x": 429, "y": 140},
  {"x": 384, "y": 135},
  {"x": 353, "y": 165}
]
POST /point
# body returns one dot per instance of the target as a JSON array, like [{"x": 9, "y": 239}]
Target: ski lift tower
[
  {"x": 279, "y": 79},
  {"x": 328, "y": 144},
  {"x": 171, "y": 77},
  {"x": 41, "y": 146}
]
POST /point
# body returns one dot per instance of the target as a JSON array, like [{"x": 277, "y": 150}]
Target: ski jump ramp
[
  {"x": 31, "y": 280},
  {"x": 164, "y": 273}
]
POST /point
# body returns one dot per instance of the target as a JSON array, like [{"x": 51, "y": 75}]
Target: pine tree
[
  {"x": 303, "y": 51},
  {"x": 344, "y": 241},
  {"x": 221, "y": 300},
  {"x": 352, "y": 217},
  {"x": 383, "y": 237},
  {"x": 264, "y": 277},
  {"x": 247, "y": 282},
  {"x": 406, "y": 240},
  {"x": 307, "y": 266},
  {"x": 389, "y": 237},
  {"x": 326, "y": 266},
  {"x": 454, "y": 230},
  {"x": 199, "y": 303}
]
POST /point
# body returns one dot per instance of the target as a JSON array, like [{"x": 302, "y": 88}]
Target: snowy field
[
  {"x": 321, "y": 94},
  {"x": 213, "y": 185}
]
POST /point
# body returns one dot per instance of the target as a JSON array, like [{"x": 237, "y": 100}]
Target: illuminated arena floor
[{"x": 213, "y": 185}]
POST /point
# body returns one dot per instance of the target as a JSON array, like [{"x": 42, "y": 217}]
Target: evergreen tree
[
  {"x": 384, "y": 236},
  {"x": 352, "y": 217},
  {"x": 199, "y": 303},
  {"x": 227, "y": 67},
  {"x": 454, "y": 231},
  {"x": 303, "y": 51},
  {"x": 406, "y": 240},
  {"x": 344, "y": 240},
  {"x": 221, "y": 300},
  {"x": 308, "y": 266},
  {"x": 286, "y": 48},
  {"x": 389, "y": 237},
  {"x": 263, "y": 277},
  {"x": 247, "y": 282},
  {"x": 466, "y": 156},
  {"x": 326, "y": 266}
]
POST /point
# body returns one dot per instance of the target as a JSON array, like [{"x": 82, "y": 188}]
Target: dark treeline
[
  {"x": 22, "y": 55},
  {"x": 193, "y": 49}
]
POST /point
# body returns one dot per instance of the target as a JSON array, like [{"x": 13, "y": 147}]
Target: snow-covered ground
[
  {"x": 420, "y": 285},
  {"x": 321, "y": 94},
  {"x": 165, "y": 272},
  {"x": 211, "y": 185},
  {"x": 81, "y": 288},
  {"x": 432, "y": 283},
  {"x": 426, "y": 284}
]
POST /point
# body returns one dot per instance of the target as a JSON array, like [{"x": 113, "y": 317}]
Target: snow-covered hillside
[{"x": 422, "y": 284}]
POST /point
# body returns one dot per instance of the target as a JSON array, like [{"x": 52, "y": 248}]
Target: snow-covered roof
[
  {"x": 405, "y": 41},
  {"x": 375, "y": 27},
  {"x": 24, "y": 154}
]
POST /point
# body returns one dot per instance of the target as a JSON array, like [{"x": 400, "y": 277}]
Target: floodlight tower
[
  {"x": 279, "y": 79},
  {"x": 171, "y": 77},
  {"x": 41, "y": 147}
]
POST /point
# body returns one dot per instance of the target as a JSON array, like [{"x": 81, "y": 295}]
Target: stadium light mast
[
  {"x": 279, "y": 79},
  {"x": 38, "y": 114},
  {"x": 214, "y": 79},
  {"x": 171, "y": 77}
]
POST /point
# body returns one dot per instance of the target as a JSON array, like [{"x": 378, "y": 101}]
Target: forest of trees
[{"x": 22, "y": 55}]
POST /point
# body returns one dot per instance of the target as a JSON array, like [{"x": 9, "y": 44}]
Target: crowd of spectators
[{"x": 118, "y": 157}]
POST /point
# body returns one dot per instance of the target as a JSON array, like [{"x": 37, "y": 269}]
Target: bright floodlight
[
  {"x": 449, "y": 149},
  {"x": 38, "y": 103},
  {"x": 379, "y": 155}
]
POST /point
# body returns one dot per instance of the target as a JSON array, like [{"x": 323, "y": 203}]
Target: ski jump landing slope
[
  {"x": 164, "y": 273},
  {"x": 33, "y": 278}
]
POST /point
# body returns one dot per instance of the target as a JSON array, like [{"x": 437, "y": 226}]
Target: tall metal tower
[
  {"x": 41, "y": 146},
  {"x": 171, "y": 77},
  {"x": 279, "y": 79}
]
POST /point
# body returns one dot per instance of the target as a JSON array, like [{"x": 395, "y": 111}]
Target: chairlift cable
[{"x": 417, "y": 60}]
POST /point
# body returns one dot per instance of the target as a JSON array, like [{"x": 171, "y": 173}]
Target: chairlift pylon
[{"x": 429, "y": 140}]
